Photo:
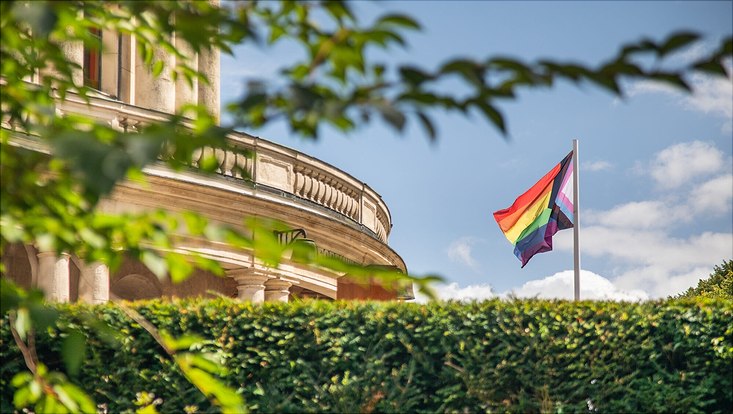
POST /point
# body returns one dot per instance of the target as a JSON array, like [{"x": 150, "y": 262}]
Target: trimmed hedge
[{"x": 516, "y": 356}]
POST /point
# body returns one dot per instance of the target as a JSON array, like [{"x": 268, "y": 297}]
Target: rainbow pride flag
[{"x": 540, "y": 212}]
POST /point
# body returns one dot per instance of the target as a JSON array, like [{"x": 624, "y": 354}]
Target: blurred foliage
[
  {"x": 718, "y": 285},
  {"x": 493, "y": 356},
  {"x": 55, "y": 168},
  {"x": 336, "y": 84}
]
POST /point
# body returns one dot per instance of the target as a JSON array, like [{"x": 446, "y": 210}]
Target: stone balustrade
[{"x": 264, "y": 164}]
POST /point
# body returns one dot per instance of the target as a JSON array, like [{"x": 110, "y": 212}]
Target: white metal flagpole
[{"x": 576, "y": 221}]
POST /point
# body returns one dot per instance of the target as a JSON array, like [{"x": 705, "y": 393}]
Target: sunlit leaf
[{"x": 73, "y": 349}]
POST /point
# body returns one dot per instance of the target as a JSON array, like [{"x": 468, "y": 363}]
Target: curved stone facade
[{"x": 327, "y": 207}]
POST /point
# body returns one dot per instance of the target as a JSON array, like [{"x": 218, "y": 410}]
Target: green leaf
[
  {"x": 413, "y": 75},
  {"x": 713, "y": 67},
  {"x": 73, "y": 349},
  {"x": 229, "y": 400},
  {"x": 401, "y": 20},
  {"x": 158, "y": 68},
  {"x": 673, "y": 79},
  {"x": 493, "y": 115},
  {"x": 42, "y": 316},
  {"x": 179, "y": 267},
  {"x": 605, "y": 81},
  {"x": 155, "y": 263},
  {"x": 10, "y": 295},
  {"x": 392, "y": 116},
  {"x": 339, "y": 10},
  {"x": 83, "y": 401},
  {"x": 23, "y": 377},
  {"x": 471, "y": 71},
  {"x": 23, "y": 323},
  {"x": 275, "y": 33},
  {"x": 180, "y": 343},
  {"x": 22, "y": 397},
  {"x": 65, "y": 398},
  {"x": 427, "y": 124},
  {"x": 677, "y": 41}
]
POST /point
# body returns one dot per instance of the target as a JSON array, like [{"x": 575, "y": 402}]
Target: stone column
[
  {"x": 186, "y": 93},
  {"x": 73, "y": 53},
  {"x": 250, "y": 284},
  {"x": 53, "y": 276},
  {"x": 155, "y": 92},
  {"x": 277, "y": 290},
  {"x": 208, "y": 93},
  {"x": 127, "y": 71},
  {"x": 209, "y": 66},
  {"x": 94, "y": 283}
]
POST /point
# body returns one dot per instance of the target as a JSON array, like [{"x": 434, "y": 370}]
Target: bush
[
  {"x": 718, "y": 285},
  {"x": 517, "y": 356}
]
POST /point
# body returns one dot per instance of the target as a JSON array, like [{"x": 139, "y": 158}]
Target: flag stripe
[
  {"x": 529, "y": 216},
  {"x": 508, "y": 217},
  {"x": 540, "y": 212}
]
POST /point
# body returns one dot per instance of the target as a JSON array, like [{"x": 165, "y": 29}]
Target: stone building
[{"x": 327, "y": 208}]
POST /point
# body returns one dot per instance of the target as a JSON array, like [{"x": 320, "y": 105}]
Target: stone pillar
[
  {"x": 110, "y": 60},
  {"x": 155, "y": 92},
  {"x": 186, "y": 93},
  {"x": 127, "y": 71},
  {"x": 208, "y": 93},
  {"x": 94, "y": 284},
  {"x": 209, "y": 66},
  {"x": 53, "y": 276},
  {"x": 277, "y": 290},
  {"x": 73, "y": 53},
  {"x": 250, "y": 284}
]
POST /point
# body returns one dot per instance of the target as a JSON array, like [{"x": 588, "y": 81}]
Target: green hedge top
[{"x": 518, "y": 356}]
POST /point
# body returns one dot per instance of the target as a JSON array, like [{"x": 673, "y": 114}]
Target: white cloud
[
  {"x": 712, "y": 95},
  {"x": 641, "y": 238},
  {"x": 592, "y": 287},
  {"x": 650, "y": 87},
  {"x": 660, "y": 282},
  {"x": 453, "y": 291},
  {"x": 680, "y": 163},
  {"x": 461, "y": 251},
  {"x": 692, "y": 53},
  {"x": 713, "y": 196},
  {"x": 637, "y": 215},
  {"x": 592, "y": 166},
  {"x": 654, "y": 247}
]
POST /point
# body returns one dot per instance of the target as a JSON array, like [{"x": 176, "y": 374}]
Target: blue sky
[{"x": 656, "y": 181}]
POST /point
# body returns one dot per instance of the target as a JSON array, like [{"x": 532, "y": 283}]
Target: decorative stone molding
[
  {"x": 264, "y": 164},
  {"x": 277, "y": 290},
  {"x": 250, "y": 283}
]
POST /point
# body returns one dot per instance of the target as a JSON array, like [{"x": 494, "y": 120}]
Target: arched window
[
  {"x": 136, "y": 286},
  {"x": 93, "y": 61}
]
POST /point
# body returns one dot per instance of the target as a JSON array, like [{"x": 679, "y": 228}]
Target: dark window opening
[{"x": 93, "y": 61}]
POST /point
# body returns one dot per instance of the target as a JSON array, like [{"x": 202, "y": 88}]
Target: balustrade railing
[{"x": 263, "y": 163}]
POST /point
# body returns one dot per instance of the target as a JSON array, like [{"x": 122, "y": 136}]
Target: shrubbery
[
  {"x": 718, "y": 285},
  {"x": 519, "y": 356}
]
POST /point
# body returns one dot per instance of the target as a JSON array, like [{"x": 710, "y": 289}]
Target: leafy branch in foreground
[
  {"x": 199, "y": 368},
  {"x": 51, "y": 171},
  {"x": 46, "y": 391},
  {"x": 337, "y": 85}
]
